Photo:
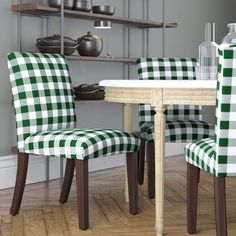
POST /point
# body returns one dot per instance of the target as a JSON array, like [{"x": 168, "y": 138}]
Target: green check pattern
[
  {"x": 179, "y": 130},
  {"x": 42, "y": 94},
  {"x": 81, "y": 144},
  {"x": 201, "y": 153},
  {"x": 183, "y": 123},
  {"x": 45, "y": 112},
  {"x": 218, "y": 156}
]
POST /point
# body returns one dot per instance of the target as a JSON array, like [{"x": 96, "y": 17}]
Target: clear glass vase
[
  {"x": 208, "y": 54},
  {"x": 230, "y": 38}
]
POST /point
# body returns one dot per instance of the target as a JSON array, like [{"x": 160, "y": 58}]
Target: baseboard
[
  {"x": 37, "y": 170},
  {"x": 174, "y": 149}
]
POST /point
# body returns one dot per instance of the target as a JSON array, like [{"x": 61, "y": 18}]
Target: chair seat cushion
[
  {"x": 179, "y": 130},
  {"x": 201, "y": 154},
  {"x": 81, "y": 144}
]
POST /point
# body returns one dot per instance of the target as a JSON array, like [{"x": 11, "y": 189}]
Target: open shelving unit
[{"x": 36, "y": 9}]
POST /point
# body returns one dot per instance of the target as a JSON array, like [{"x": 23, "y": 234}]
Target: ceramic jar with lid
[{"x": 90, "y": 45}]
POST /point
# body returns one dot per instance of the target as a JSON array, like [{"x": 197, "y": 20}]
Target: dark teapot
[{"x": 90, "y": 45}]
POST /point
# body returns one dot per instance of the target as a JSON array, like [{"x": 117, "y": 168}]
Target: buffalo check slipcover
[
  {"x": 45, "y": 112},
  {"x": 183, "y": 122},
  {"x": 218, "y": 155}
]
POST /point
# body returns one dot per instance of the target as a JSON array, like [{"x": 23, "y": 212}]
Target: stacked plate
[
  {"x": 83, "y": 5},
  {"x": 52, "y": 44},
  {"x": 89, "y": 92}
]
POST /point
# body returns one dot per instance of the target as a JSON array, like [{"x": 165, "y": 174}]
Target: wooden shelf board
[
  {"x": 102, "y": 59},
  {"x": 90, "y": 101},
  {"x": 36, "y": 9}
]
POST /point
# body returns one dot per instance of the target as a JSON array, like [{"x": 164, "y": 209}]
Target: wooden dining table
[{"x": 158, "y": 93}]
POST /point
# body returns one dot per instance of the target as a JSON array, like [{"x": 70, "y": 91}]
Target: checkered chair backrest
[
  {"x": 168, "y": 69},
  {"x": 225, "y": 130},
  {"x": 42, "y": 93}
]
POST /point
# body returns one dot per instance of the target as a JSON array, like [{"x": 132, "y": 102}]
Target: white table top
[{"x": 200, "y": 84}]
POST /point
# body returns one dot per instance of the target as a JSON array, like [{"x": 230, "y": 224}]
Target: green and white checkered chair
[
  {"x": 216, "y": 155},
  {"x": 183, "y": 123},
  {"x": 46, "y": 125}
]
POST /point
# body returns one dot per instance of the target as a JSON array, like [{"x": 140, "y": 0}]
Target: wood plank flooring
[{"x": 41, "y": 214}]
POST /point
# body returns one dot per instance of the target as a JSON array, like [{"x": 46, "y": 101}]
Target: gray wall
[
  {"x": 182, "y": 41},
  {"x": 191, "y": 16}
]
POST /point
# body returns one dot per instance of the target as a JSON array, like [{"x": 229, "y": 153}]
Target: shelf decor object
[
  {"x": 88, "y": 92},
  {"x": 90, "y": 45},
  {"x": 104, "y": 9},
  {"x": 85, "y": 5}
]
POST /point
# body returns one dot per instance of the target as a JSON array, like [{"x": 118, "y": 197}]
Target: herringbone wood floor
[{"x": 41, "y": 214}]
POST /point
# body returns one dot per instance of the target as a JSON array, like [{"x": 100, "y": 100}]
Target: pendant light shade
[{"x": 102, "y": 24}]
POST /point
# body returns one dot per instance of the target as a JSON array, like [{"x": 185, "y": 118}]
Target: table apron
[
  {"x": 130, "y": 95},
  {"x": 189, "y": 96},
  {"x": 165, "y": 96}
]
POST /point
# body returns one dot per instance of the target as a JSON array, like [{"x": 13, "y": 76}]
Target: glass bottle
[
  {"x": 230, "y": 38},
  {"x": 208, "y": 53}
]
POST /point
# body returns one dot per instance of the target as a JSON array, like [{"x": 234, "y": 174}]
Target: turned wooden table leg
[
  {"x": 159, "y": 166},
  {"x": 128, "y": 128}
]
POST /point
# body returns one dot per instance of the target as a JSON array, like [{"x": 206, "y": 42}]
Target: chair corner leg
[
  {"x": 192, "y": 197},
  {"x": 141, "y": 162},
  {"x": 22, "y": 167},
  {"x": 82, "y": 193},
  {"x": 69, "y": 173},
  {"x": 220, "y": 206},
  {"x": 132, "y": 163}
]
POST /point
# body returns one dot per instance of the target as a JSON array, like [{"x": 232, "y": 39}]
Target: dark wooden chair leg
[
  {"x": 69, "y": 173},
  {"x": 151, "y": 169},
  {"x": 192, "y": 196},
  {"x": 132, "y": 170},
  {"x": 82, "y": 193},
  {"x": 141, "y": 161},
  {"x": 22, "y": 167},
  {"x": 220, "y": 206},
  {"x": 199, "y": 172}
]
